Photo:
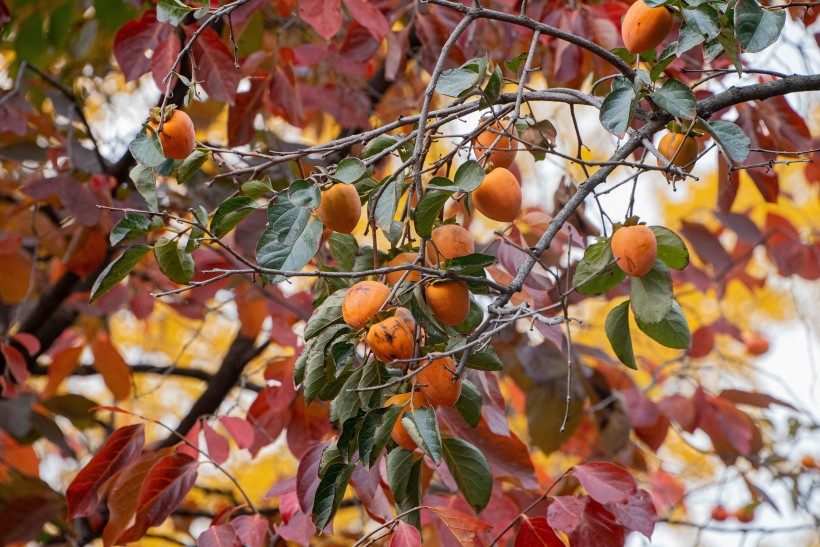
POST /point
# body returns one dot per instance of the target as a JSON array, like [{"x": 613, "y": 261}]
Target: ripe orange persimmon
[
  {"x": 436, "y": 382},
  {"x": 394, "y": 338},
  {"x": 362, "y": 301},
  {"x": 645, "y": 28},
  {"x": 808, "y": 462},
  {"x": 756, "y": 344},
  {"x": 683, "y": 158},
  {"x": 499, "y": 196},
  {"x": 340, "y": 208},
  {"x": 177, "y": 137},
  {"x": 502, "y": 154},
  {"x": 398, "y": 260},
  {"x": 449, "y": 241},
  {"x": 449, "y": 301},
  {"x": 719, "y": 513},
  {"x": 745, "y": 514},
  {"x": 635, "y": 249},
  {"x": 399, "y": 433}
]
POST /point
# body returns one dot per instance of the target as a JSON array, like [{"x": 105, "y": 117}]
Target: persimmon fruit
[
  {"x": 502, "y": 153},
  {"x": 177, "y": 137},
  {"x": 362, "y": 301},
  {"x": 756, "y": 344},
  {"x": 435, "y": 380},
  {"x": 449, "y": 241},
  {"x": 394, "y": 338},
  {"x": 399, "y": 433},
  {"x": 402, "y": 258},
  {"x": 499, "y": 196},
  {"x": 808, "y": 461},
  {"x": 745, "y": 514},
  {"x": 635, "y": 249},
  {"x": 719, "y": 513},
  {"x": 449, "y": 300},
  {"x": 683, "y": 148},
  {"x": 340, "y": 208},
  {"x": 645, "y": 28}
]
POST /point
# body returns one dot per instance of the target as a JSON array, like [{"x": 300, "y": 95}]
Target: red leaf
[
  {"x": 325, "y": 16},
  {"x": 283, "y": 98},
  {"x": 218, "y": 447},
  {"x": 5, "y": 14},
  {"x": 251, "y": 529},
  {"x": 307, "y": 425},
  {"x": 123, "y": 491},
  {"x": 703, "y": 341},
  {"x": 307, "y": 476},
  {"x": 405, "y": 535},
  {"x": 268, "y": 422},
  {"x": 706, "y": 245},
  {"x": 22, "y": 519},
  {"x": 752, "y": 398},
  {"x": 15, "y": 362},
  {"x": 667, "y": 491},
  {"x": 299, "y": 529},
  {"x": 369, "y": 16},
  {"x": 28, "y": 341},
  {"x": 606, "y": 482},
  {"x": 239, "y": 429},
  {"x": 216, "y": 66},
  {"x": 638, "y": 513},
  {"x": 122, "y": 448},
  {"x": 110, "y": 364},
  {"x": 134, "y": 39},
  {"x": 163, "y": 59},
  {"x": 681, "y": 410},
  {"x": 242, "y": 113},
  {"x": 219, "y": 536},
  {"x": 585, "y": 521},
  {"x": 787, "y": 128},
  {"x": 535, "y": 532},
  {"x": 164, "y": 488},
  {"x": 192, "y": 446},
  {"x": 367, "y": 485},
  {"x": 462, "y": 525}
]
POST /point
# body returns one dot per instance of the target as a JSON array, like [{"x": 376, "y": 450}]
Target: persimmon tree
[{"x": 361, "y": 305}]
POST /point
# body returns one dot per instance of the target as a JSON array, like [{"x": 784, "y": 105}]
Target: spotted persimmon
[
  {"x": 449, "y": 241},
  {"x": 500, "y": 144},
  {"x": 362, "y": 301},
  {"x": 436, "y": 381},
  {"x": 449, "y": 300},
  {"x": 177, "y": 137},
  {"x": 645, "y": 28},
  {"x": 681, "y": 150},
  {"x": 394, "y": 338},
  {"x": 635, "y": 249},
  {"x": 499, "y": 196},
  {"x": 402, "y": 258},
  {"x": 399, "y": 433},
  {"x": 340, "y": 208}
]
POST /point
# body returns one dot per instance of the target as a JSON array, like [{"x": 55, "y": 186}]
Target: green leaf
[
  {"x": 456, "y": 81},
  {"x": 190, "y": 166},
  {"x": 347, "y": 404},
  {"x": 230, "y": 213},
  {"x": 172, "y": 11},
  {"x": 676, "y": 98},
  {"x": 469, "y": 176},
  {"x": 703, "y": 20},
  {"x": 671, "y": 248},
  {"x": 375, "y": 374},
  {"x": 617, "y": 331},
  {"x": 330, "y": 492},
  {"x": 303, "y": 194},
  {"x": 492, "y": 89},
  {"x": 672, "y": 331},
  {"x": 757, "y": 28},
  {"x": 174, "y": 262},
  {"x": 119, "y": 268},
  {"x": 375, "y": 433},
  {"x": 428, "y": 209},
  {"x": 729, "y": 42},
  {"x": 200, "y": 216},
  {"x": 256, "y": 188},
  {"x": 664, "y": 60},
  {"x": 470, "y": 470},
  {"x": 597, "y": 273},
  {"x": 343, "y": 249},
  {"x": 404, "y": 479},
  {"x": 290, "y": 225},
  {"x": 651, "y": 294},
  {"x": 386, "y": 205},
  {"x": 469, "y": 403},
  {"x": 618, "y": 108},
  {"x": 331, "y": 455},
  {"x": 655, "y": 3},
  {"x": 329, "y": 312},
  {"x": 469, "y": 264},
  {"x": 378, "y": 145},
  {"x": 143, "y": 177},
  {"x": 422, "y": 426},
  {"x": 484, "y": 359},
  {"x": 350, "y": 170},
  {"x": 318, "y": 367},
  {"x": 274, "y": 255},
  {"x": 687, "y": 39},
  {"x": 133, "y": 226},
  {"x": 146, "y": 147},
  {"x": 515, "y": 63},
  {"x": 731, "y": 138}
]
